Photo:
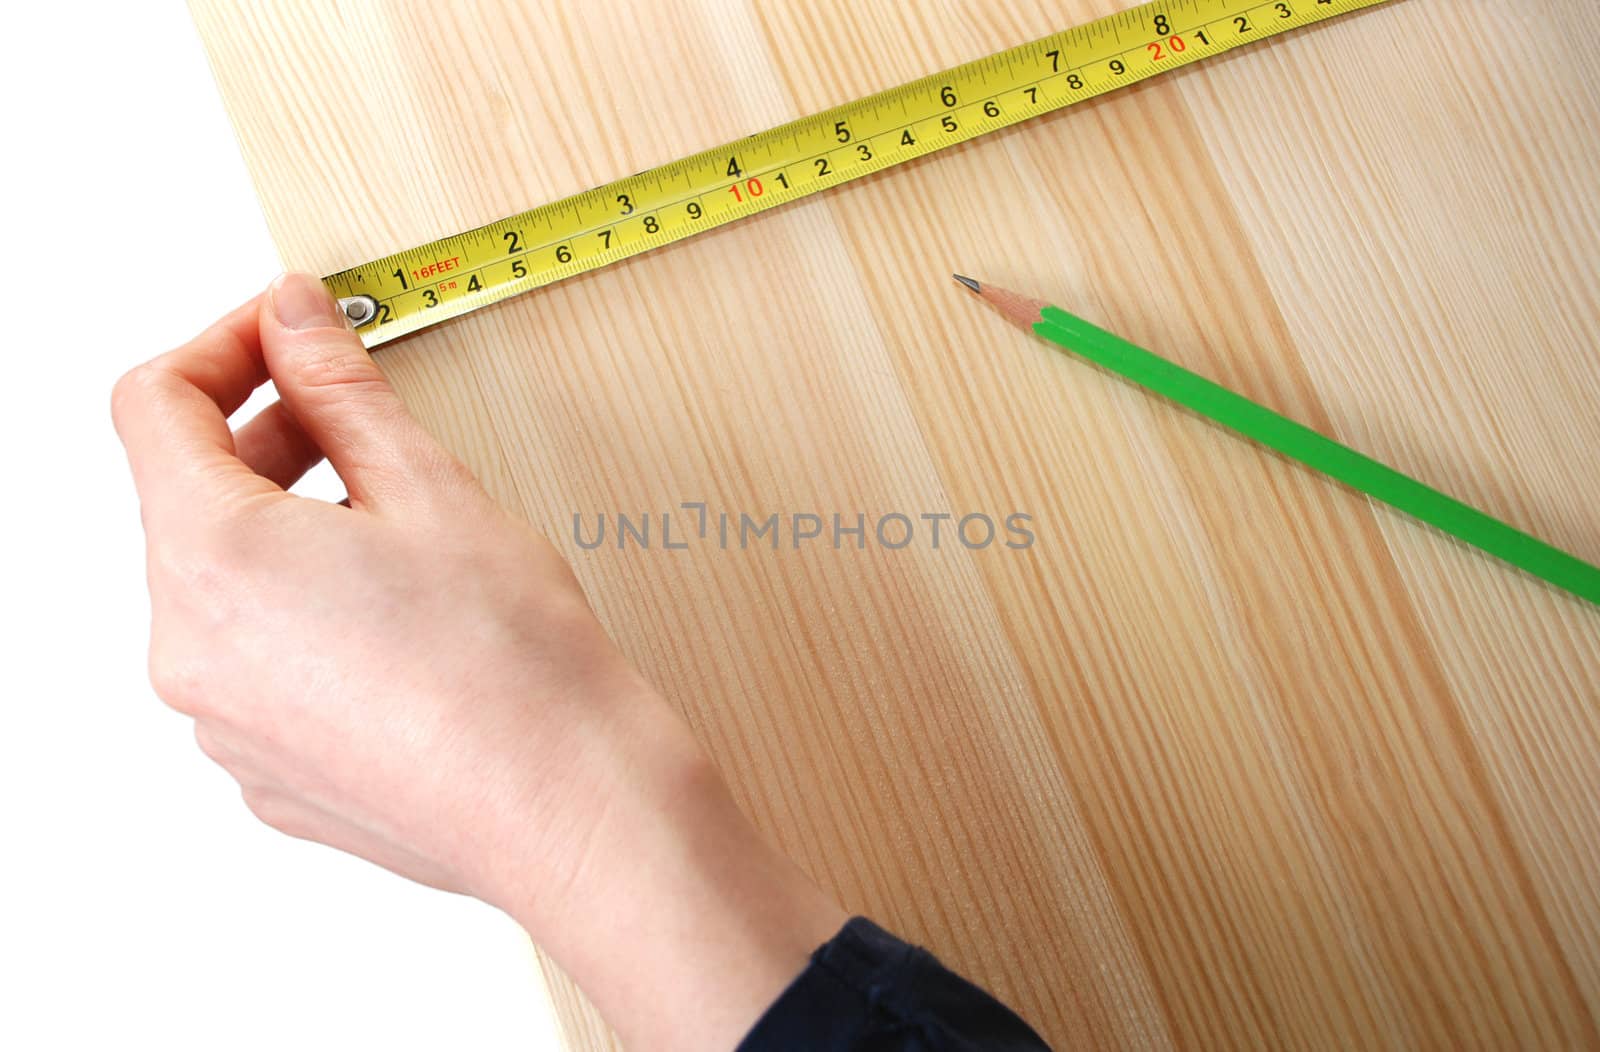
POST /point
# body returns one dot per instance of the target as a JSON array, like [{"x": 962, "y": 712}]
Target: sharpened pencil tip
[{"x": 971, "y": 283}]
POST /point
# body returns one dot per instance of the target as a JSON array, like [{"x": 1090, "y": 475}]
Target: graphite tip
[{"x": 971, "y": 283}]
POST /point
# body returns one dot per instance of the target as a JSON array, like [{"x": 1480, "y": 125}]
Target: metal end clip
[{"x": 361, "y": 310}]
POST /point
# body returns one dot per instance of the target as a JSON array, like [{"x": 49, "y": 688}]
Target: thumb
[{"x": 343, "y": 402}]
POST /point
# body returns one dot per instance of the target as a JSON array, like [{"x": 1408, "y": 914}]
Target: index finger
[{"x": 172, "y": 412}]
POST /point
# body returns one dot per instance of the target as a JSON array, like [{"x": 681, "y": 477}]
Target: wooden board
[{"x": 1229, "y": 757}]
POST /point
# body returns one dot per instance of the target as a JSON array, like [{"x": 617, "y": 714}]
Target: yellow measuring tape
[{"x": 399, "y": 294}]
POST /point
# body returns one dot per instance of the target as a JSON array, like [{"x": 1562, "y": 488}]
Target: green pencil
[{"x": 1296, "y": 441}]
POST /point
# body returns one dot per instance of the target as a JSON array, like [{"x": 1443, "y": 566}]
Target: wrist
[
  {"x": 664, "y": 893},
  {"x": 532, "y": 846}
]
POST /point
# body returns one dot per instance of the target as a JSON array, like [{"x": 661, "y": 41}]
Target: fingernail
[{"x": 300, "y": 302}]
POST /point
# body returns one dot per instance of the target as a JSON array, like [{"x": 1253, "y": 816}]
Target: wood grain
[{"x": 1229, "y": 757}]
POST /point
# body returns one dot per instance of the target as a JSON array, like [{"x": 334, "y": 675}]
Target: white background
[{"x": 140, "y": 903}]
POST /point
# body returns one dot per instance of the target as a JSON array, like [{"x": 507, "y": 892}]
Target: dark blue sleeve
[{"x": 867, "y": 991}]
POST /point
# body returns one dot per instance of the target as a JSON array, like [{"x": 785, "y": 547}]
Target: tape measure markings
[{"x": 455, "y": 275}]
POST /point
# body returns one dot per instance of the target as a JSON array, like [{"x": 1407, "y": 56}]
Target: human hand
[
  {"x": 406, "y": 678},
  {"x": 417, "y": 678}
]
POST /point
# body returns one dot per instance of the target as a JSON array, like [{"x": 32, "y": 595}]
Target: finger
[
  {"x": 223, "y": 750},
  {"x": 171, "y": 415},
  {"x": 219, "y": 744},
  {"x": 341, "y": 399},
  {"x": 304, "y": 820},
  {"x": 276, "y": 447},
  {"x": 295, "y": 810},
  {"x": 225, "y": 361}
]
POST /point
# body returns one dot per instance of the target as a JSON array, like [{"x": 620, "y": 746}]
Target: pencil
[{"x": 1293, "y": 440}]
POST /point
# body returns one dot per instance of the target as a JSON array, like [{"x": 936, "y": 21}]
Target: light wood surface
[{"x": 1229, "y": 757}]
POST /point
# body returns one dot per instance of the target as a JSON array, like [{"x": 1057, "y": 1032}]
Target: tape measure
[{"x": 401, "y": 293}]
